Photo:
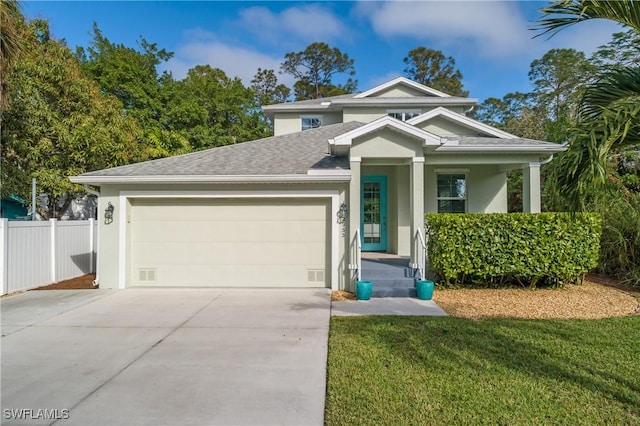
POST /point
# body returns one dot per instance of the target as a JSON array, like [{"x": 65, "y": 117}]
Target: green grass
[{"x": 454, "y": 371}]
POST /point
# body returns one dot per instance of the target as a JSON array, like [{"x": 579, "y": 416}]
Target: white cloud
[
  {"x": 235, "y": 61},
  {"x": 492, "y": 28},
  {"x": 307, "y": 22}
]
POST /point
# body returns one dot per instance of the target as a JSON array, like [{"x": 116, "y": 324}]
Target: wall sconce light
[
  {"x": 342, "y": 213},
  {"x": 108, "y": 213}
]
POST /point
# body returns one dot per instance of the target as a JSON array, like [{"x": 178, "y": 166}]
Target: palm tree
[
  {"x": 564, "y": 13},
  {"x": 10, "y": 42},
  {"x": 609, "y": 113}
]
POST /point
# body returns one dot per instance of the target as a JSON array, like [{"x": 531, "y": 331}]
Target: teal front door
[{"x": 373, "y": 228}]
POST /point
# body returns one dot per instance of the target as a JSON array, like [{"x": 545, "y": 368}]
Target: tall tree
[
  {"x": 266, "y": 88},
  {"x": 315, "y": 69},
  {"x": 58, "y": 123},
  {"x": 431, "y": 68},
  {"x": 209, "y": 109},
  {"x": 127, "y": 73},
  {"x": 622, "y": 51},
  {"x": 11, "y": 44}
]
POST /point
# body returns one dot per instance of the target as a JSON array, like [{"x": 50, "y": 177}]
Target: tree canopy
[
  {"x": 315, "y": 68},
  {"x": 58, "y": 123},
  {"x": 431, "y": 68}
]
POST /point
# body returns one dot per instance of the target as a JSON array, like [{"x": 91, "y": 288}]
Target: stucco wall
[
  {"x": 486, "y": 188},
  {"x": 386, "y": 143},
  {"x": 288, "y": 122},
  {"x": 443, "y": 127}
]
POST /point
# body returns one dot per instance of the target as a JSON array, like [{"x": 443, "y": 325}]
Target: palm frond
[{"x": 564, "y": 13}]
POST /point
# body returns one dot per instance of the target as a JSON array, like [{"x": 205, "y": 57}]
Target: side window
[
  {"x": 403, "y": 115},
  {"x": 452, "y": 193},
  {"x": 310, "y": 122}
]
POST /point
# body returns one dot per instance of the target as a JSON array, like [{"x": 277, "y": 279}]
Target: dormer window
[
  {"x": 310, "y": 122},
  {"x": 403, "y": 115}
]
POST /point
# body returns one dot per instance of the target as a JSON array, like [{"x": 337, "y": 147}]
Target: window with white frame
[
  {"x": 403, "y": 115},
  {"x": 311, "y": 122},
  {"x": 452, "y": 193}
]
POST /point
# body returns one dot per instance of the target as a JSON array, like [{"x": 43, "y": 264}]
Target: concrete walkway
[
  {"x": 387, "y": 306},
  {"x": 166, "y": 356}
]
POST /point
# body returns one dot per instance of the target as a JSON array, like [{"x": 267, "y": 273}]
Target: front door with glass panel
[{"x": 374, "y": 213}]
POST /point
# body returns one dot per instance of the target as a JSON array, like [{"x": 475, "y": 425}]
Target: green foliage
[
  {"x": 499, "y": 249},
  {"x": 431, "y": 68},
  {"x": 620, "y": 243},
  {"x": 315, "y": 68},
  {"x": 11, "y": 44},
  {"x": 266, "y": 88},
  {"x": 58, "y": 123},
  {"x": 210, "y": 109}
]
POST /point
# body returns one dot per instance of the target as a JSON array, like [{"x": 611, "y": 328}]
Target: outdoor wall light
[
  {"x": 342, "y": 213},
  {"x": 108, "y": 213}
]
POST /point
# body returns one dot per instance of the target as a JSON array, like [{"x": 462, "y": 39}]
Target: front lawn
[{"x": 428, "y": 370}]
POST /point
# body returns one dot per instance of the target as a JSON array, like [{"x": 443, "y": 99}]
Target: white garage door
[{"x": 229, "y": 242}]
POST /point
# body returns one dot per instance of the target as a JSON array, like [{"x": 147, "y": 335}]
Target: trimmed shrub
[{"x": 507, "y": 248}]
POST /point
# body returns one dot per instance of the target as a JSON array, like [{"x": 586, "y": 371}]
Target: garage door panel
[
  {"x": 236, "y": 242},
  {"x": 229, "y": 231},
  {"x": 236, "y": 254}
]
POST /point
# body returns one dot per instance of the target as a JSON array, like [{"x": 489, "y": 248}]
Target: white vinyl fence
[{"x": 33, "y": 254}]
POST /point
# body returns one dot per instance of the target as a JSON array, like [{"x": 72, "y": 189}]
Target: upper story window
[
  {"x": 403, "y": 115},
  {"x": 452, "y": 193},
  {"x": 311, "y": 122}
]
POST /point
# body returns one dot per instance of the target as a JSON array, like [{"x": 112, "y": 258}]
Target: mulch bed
[
  {"x": 597, "y": 297},
  {"x": 84, "y": 282}
]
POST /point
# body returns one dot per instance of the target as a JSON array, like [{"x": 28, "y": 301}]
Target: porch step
[{"x": 390, "y": 277}]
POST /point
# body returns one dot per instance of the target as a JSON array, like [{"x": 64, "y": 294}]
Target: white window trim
[
  {"x": 302, "y": 117},
  {"x": 466, "y": 180}
]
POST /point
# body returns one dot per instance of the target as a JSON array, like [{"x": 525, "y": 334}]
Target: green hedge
[{"x": 500, "y": 249}]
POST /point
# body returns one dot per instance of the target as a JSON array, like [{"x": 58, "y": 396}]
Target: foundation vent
[
  {"x": 315, "y": 275},
  {"x": 146, "y": 274}
]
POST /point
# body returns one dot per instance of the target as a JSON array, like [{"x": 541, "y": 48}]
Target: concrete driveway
[{"x": 165, "y": 357}]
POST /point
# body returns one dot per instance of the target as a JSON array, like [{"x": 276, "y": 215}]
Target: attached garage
[{"x": 229, "y": 242}]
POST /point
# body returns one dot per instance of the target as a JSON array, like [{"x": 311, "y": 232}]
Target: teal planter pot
[
  {"x": 363, "y": 290},
  {"x": 424, "y": 289}
]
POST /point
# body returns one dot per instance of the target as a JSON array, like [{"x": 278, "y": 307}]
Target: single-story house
[{"x": 341, "y": 174}]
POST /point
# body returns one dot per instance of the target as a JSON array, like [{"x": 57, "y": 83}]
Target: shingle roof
[{"x": 290, "y": 154}]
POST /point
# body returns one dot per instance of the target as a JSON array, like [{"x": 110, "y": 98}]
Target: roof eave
[
  {"x": 522, "y": 149},
  {"x": 314, "y": 176}
]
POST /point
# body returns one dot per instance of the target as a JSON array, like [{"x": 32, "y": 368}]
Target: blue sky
[{"x": 489, "y": 40}]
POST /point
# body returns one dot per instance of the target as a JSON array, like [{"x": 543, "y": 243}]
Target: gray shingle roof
[{"x": 289, "y": 154}]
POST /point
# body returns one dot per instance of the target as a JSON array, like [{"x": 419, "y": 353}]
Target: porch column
[
  {"x": 354, "y": 198},
  {"x": 531, "y": 188},
  {"x": 417, "y": 200}
]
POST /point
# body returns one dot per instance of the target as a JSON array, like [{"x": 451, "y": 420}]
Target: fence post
[
  {"x": 4, "y": 239},
  {"x": 91, "y": 239},
  {"x": 52, "y": 222}
]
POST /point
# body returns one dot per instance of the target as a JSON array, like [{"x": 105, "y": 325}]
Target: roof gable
[
  {"x": 386, "y": 122},
  {"x": 481, "y": 128},
  {"x": 401, "y": 87}
]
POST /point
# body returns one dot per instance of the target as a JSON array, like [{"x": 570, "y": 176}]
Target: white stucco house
[{"x": 288, "y": 210}]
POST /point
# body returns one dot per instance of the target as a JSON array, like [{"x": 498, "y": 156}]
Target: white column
[
  {"x": 354, "y": 207},
  {"x": 531, "y": 188},
  {"x": 417, "y": 200}
]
